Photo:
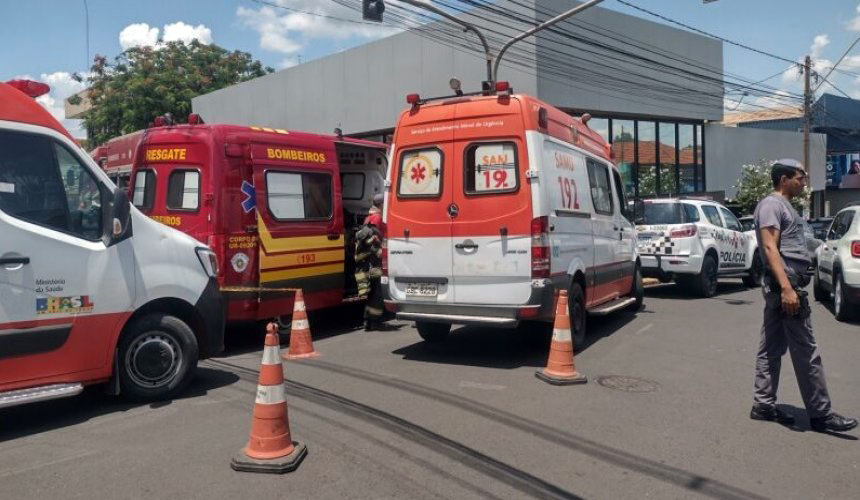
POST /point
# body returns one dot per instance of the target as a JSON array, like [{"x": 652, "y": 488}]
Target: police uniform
[{"x": 781, "y": 332}]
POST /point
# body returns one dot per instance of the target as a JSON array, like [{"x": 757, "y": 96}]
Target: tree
[
  {"x": 145, "y": 82},
  {"x": 755, "y": 183}
]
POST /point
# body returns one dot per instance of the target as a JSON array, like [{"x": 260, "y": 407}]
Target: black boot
[{"x": 370, "y": 325}]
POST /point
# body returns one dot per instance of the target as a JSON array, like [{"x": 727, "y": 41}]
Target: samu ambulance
[
  {"x": 91, "y": 291},
  {"x": 496, "y": 203},
  {"x": 277, "y": 207}
]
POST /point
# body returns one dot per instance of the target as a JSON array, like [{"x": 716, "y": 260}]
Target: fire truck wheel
[
  {"x": 157, "y": 357},
  {"x": 576, "y": 311},
  {"x": 433, "y": 332}
]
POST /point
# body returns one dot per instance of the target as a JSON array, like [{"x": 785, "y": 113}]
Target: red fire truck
[
  {"x": 116, "y": 158},
  {"x": 278, "y": 207}
]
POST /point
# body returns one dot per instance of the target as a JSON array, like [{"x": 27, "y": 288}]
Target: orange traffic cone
[
  {"x": 301, "y": 345},
  {"x": 560, "y": 368},
  {"x": 270, "y": 448}
]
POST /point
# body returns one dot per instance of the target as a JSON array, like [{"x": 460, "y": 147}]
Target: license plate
[{"x": 424, "y": 290}]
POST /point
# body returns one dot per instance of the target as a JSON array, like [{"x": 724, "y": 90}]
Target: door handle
[
  {"x": 464, "y": 246},
  {"x": 10, "y": 261}
]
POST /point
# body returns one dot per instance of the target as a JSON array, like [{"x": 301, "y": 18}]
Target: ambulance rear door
[
  {"x": 420, "y": 209},
  {"x": 491, "y": 228}
]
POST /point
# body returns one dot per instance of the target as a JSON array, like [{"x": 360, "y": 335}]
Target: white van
[
  {"x": 494, "y": 204},
  {"x": 91, "y": 290}
]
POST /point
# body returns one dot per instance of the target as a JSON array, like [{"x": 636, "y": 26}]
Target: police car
[{"x": 694, "y": 242}]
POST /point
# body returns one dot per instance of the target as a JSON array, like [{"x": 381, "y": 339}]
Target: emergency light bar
[{"x": 31, "y": 88}]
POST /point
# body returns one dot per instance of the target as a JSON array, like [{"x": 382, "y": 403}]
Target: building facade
[{"x": 651, "y": 89}]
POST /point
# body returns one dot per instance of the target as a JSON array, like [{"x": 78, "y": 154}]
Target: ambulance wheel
[
  {"x": 638, "y": 291},
  {"x": 753, "y": 279},
  {"x": 576, "y": 311},
  {"x": 705, "y": 283},
  {"x": 433, "y": 332},
  {"x": 157, "y": 357}
]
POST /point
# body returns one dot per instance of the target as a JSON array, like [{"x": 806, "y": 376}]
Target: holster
[{"x": 797, "y": 283}]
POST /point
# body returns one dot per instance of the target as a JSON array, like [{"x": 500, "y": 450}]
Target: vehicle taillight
[
  {"x": 686, "y": 231},
  {"x": 31, "y": 88},
  {"x": 385, "y": 256},
  {"x": 540, "y": 247},
  {"x": 855, "y": 249}
]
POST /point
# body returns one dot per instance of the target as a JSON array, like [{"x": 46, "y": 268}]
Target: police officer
[
  {"x": 368, "y": 260},
  {"x": 787, "y": 324}
]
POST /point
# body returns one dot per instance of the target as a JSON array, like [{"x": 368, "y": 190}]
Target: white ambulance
[
  {"x": 494, "y": 204},
  {"x": 695, "y": 242},
  {"x": 91, "y": 290}
]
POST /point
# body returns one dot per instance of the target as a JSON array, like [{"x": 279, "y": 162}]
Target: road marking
[
  {"x": 644, "y": 329},
  {"x": 477, "y": 385}
]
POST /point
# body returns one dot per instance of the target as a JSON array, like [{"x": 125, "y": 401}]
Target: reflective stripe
[
  {"x": 561, "y": 335},
  {"x": 299, "y": 306},
  {"x": 271, "y": 355},
  {"x": 270, "y": 394},
  {"x": 300, "y": 324}
]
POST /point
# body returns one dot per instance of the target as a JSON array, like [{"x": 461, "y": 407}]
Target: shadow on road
[
  {"x": 725, "y": 290},
  {"x": 527, "y": 345},
  {"x": 29, "y": 419}
]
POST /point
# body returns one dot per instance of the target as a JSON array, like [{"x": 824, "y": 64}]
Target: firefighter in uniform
[
  {"x": 368, "y": 261},
  {"x": 787, "y": 324}
]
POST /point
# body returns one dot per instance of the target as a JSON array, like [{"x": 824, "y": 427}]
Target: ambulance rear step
[
  {"x": 611, "y": 307},
  {"x": 41, "y": 393},
  {"x": 456, "y": 319}
]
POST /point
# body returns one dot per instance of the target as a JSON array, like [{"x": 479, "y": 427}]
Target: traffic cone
[
  {"x": 560, "y": 368},
  {"x": 270, "y": 448},
  {"x": 301, "y": 345}
]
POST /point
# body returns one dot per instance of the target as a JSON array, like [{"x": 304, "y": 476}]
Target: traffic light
[{"x": 371, "y": 10}]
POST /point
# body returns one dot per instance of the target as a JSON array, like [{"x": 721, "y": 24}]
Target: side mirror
[{"x": 117, "y": 218}]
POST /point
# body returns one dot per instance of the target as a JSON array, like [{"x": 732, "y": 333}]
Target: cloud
[
  {"x": 142, "y": 35},
  {"x": 818, "y": 44},
  {"x": 181, "y": 32},
  {"x": 287, "y": 30},
  {"x": 854, "y": 24},
  {"x": 138, "y": 35}
]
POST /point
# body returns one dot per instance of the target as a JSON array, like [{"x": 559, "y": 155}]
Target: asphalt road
[{"x": 385, "y": 415}]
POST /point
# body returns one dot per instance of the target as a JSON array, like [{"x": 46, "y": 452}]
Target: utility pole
[{"x": 807, "y": 118}]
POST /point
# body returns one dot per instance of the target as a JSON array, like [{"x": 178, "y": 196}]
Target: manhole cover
[{"x": 627, "y": 384}]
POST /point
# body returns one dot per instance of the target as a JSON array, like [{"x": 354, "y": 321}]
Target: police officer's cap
[{"x": 789, "y": 163}]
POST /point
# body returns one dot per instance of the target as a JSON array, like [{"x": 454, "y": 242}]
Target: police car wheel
[
  {"x": 157, "y": 357},
  {"x": 576, "y": 311},
  {"x": 753, "y": 279},
  {"x": 706, "y": 281}
]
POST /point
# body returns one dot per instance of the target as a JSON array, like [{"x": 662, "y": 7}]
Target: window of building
[
  {"x": 686, "y": 159},
  {"x": 624, "y": 151},
  {"x": 183, "y": 190},
  {"x": 666, "y": 155},
  {"x": 491, "y": 168},
  {"x": 646, "y": 149},
  {"x": 352, "y": 185},
  {"x": 42, "y": 182},
  {"x": 144, "y": 189},
  {"x": 713, "y": 215},
  {"x": 601, "y": 126},
  {"x": 299, "y": 196},
  {"x": 700, "y": 160},
  {"x": 420, "y": 173},
  {"x": 601, "y": 190}
]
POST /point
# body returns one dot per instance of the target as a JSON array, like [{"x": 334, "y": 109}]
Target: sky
[{"x": 47, "y": 39}]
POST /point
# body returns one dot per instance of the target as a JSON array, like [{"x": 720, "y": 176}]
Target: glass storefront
[{"x": 655, "y": 158}]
